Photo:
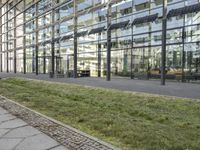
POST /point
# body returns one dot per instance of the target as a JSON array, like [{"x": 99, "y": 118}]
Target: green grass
[{"x": 124, "y": 119}]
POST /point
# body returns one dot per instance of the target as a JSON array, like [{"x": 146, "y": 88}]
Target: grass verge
[{"x": 125, "y": 119}]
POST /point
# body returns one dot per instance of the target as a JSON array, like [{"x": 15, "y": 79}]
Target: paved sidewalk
[
  {"x": 16, "y": 134},
  {"x": 185, "y": 90}
]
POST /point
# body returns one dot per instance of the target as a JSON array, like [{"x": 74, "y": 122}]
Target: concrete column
[
  {"x": 108, "y": 72},
  {"x": 75, "y": 39},
  {"x": 164, "y": 34}
]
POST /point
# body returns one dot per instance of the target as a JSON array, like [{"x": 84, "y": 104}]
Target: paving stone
[
  {"x": 9, "y": 144},
  {"x": 22, "y": 132},
  {"x": 59, "y": 148},
  {"x": 6, "y": 117},
  {"x": 3, "y": 131},
  {"x": 3, "y": 111},
  {"x": 12, "y": 124},
  {"x": 38, "y": 142},
  {"x": 69, "y": 137}
]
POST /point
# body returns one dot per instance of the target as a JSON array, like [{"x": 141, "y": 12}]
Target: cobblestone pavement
[
  {"x": 185, "y": 90},
  {"x": 26, "y": 135},
  {"x": 15, "y": 134}
]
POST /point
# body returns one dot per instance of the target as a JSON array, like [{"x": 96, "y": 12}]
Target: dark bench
[
  {"x": 83, "y": 73},
  {"x": 80, "y": 73},
  {"x": 192, "y": 77},
  {"x": 60, "y": 75}
]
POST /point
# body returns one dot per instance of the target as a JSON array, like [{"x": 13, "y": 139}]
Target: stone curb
[{"x": 97, "y": 144}]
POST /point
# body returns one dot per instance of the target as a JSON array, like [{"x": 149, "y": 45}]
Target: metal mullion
[
  {"x": 108, "y": 65},
  {"x": 36, "y": 39},
  {"x": 94, "y": 24},
  {"x": 53, "y": 44},
  {"x": 143, "y": 11},
  {"x": 149, "y": 42},
  {"x": 99, "y": 55},
  {"x": 168, "y": 44},
  {"x": 130, "y": 35},
  {"x": 183, "y": 51},
  {"x": 89, "y": 10},
  {"x": 1, "y": 69},
  {"x": 44, "y": 50},
  {"x": 7, "y": 61},
  {"x": 64, "y": 19},
  {"x": 57, "y": 22},
  {"x": 114, "y": 1},
  {"x": 4, "y": 23},
  {"x": 11, "y": 18},
  {"x": 75, "y": 40},
  {"x": 4, "y": 4},
  {"x": 67, "y": 18},
  {"x": 132, "y": 77},
  {"x": 180, "y": 27},
  {"x": 14, "y": 27},
  {"x": 163, "y": 51},
  {"x": 102, "y": 4},
  {"x": 16, "y": 15},
  {"x": 132, "y": 52},
  {"x": 11, "y": 7},
  {"x": 24, "y": 42},
  {"x": 43, "y": 13},
  {"x": 15, "y": 44},
  {"x": 26, "y": 8},
  {"x": 158, "y": 45},
  {"x": 9, "y": 29}
]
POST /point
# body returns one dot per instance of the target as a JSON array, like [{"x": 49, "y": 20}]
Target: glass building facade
[{"x": 122, "y": 38}]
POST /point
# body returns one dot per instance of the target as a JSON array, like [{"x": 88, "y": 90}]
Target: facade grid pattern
[{"x": 143, "y": 39}]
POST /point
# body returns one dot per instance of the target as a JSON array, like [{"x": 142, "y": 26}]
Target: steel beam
[
  {"x": 44, "y": 59},
  {"x": 99, "y": 55},
  {"x": 132, "y": 73},
  {"x": 108, "y": 71},
  {"x": 1, "y": 67},
  {"x": 52, "y": 44},
  {"x": 183, "y": 50},
  {"x": 15, "y": 44},
  {"x": 75, "y": 39},
  {"x": 36, "y": 41},
  {"x": 7, "y": 60},
  {"x": 132, "y": 76},
  {"x": 44, "y": 53},
  {"x": 24, "y": 41},
  {"x": 164, "y": 34},
  {"x": 149, "y": 43}
]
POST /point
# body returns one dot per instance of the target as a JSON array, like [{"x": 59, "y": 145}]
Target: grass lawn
[{"x": 125, "y": 119}]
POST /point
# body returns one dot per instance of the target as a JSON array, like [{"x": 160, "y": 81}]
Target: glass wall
[{"x": 45, "y": 28}]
